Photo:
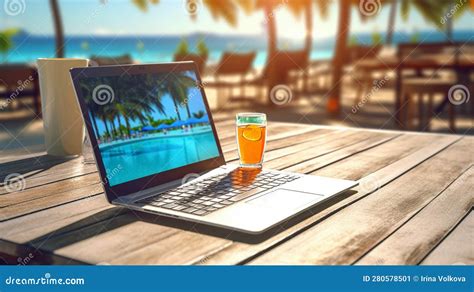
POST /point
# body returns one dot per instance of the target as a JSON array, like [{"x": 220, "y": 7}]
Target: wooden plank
[
  {"x": 364, "y": 163},
  {"x": 414, "y": 240},
  {"x": 64, "y": 186},
  {"x": 240, "y": 252},
  {"x": 28, "y": 207},
  {"x": 66, "y": 171},
  {"x": 111, "y": 238},
  {"x": 61, "y": 219},
  {"x": 30, "y": 164},
  {"x": 199, "y": 256},
  {"x": 457, "y": 247},
  {"x": 347, "y": 235},
  {"x": 185, "y": 247},
  {"x": 15, "y": 155},
  {"x": 106, "y": 256},
  {"x": 317, "y": 162}
]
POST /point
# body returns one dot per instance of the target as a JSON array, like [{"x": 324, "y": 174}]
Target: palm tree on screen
[{"x": 177, "y": 85}]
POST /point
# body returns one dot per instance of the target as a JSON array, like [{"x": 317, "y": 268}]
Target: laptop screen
[{"x": 148, "y": 123}]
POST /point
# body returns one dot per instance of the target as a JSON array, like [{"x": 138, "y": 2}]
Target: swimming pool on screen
[{"x": 157, "y": 153}]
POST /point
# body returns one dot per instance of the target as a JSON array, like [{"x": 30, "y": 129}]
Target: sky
[{"x": 170, "y": 17}]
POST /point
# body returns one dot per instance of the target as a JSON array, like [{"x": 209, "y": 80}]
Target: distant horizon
[
  {"x": 170, "y": 18},
  {"x": 225, "y": 35},
  {"x": 27, "y": 48}
]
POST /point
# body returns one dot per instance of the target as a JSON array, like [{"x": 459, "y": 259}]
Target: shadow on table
[
  {"x": 244, "y": 237},
  {"x": 116, "y": 217},
  {"x": 31, "y": 166}
]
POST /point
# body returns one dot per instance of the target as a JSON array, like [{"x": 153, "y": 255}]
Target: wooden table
[
  {"x": 461, "y": 65},
  {"x": 413, "y": 206}
]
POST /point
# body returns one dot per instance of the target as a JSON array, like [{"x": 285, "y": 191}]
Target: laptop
[{"x": 157, "y": 150}]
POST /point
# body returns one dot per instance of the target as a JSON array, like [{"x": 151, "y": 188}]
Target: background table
[
  {"x": 413, "y": 206},
  {"x": 461, "y": 65}
]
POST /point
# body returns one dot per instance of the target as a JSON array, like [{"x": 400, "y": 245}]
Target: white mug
[{"x": 62, "y": 119}]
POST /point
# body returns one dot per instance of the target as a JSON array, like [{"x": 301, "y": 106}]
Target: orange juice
[{"x": 251, "y": 143}]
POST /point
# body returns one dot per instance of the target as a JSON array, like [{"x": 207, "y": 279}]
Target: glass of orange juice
[{"x": 251, "y": 138}]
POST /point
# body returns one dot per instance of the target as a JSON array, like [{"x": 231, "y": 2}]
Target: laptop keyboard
[{"x": 216, "y": 192}]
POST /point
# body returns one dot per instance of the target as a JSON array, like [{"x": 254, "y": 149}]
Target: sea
[{"x": 155, "y": 49}]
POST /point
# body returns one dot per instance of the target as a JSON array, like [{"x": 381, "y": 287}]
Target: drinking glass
[{"x": 251, "y": 138}]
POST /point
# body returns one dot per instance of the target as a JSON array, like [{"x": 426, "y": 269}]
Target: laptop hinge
[{"x": 128, "y": 199}]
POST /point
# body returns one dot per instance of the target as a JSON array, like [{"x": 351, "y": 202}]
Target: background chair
[
  {"x": 230, "y": 73},
  {"x": 285, "y": 67},
  {"x": 20, "y": 81}
]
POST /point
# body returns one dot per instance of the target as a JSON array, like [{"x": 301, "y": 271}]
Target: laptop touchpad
[{"x": 283, "y": 199}]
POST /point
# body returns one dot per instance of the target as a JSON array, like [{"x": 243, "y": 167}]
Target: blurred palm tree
[
  {"x": 58, "y": 28},
  {"x": 199, "y": 114},
  {"x": 432, "y": 11},
  {"x": 333, "y": 105},
  {"x": 6, "y": 41},
  {"x": 305, "y": 7},
  {"x": 225, "y": 9}
]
